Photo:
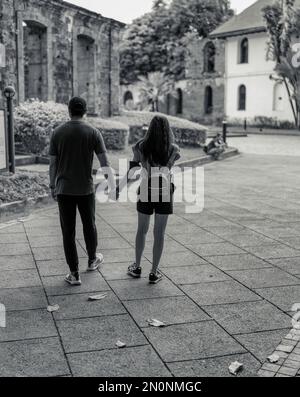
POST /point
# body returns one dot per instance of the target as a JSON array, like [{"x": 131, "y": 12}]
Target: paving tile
[
  {"x": 248, "y": 317},
  {"x": 99, "y": 333},
  {"x": 238, "y": 262},
  {"x": 192, "y": 341},
  {"x": 54, "y": 253},
  {"x": 195, "y": 274},
  {"x": 283, "y": 297},
  {"x": 293, "y": 242},
  {"x": 91, "y": 282},
  {"x": 140, "y": 289},
  {"x": 16, "y": 262},
  {"x": 228, "y": 230},
  {"x": 273, "y": 251},
  {"x": 42, "y": 231},
  {"x": 27, "y": 324},
  {"x": 13, "y": 238},
  {"x": 202, "y": 237},
  {"x": 141, "y": 361},
  {"x": 20, "y": 279},
  {"x": 78, "y": 306},
  {"x": 207, "y": 250},
  {"x": 11, "y": 229},
  {"x": 118, "y": 271},
  {"x": 219, "y": 293},
  {"x": 57, "y": 267},
  {"x": 215, "y": 367},
  {"x": 170, "y": 247},
  {"x": 28, "y": 358},
  {"x": 264, "y": 278},
  {"x": 119, "y": 256},
  {"x": 46, "y": 241},
  {"x": 108, "y": 243},
  {"x": 249, "y": 240},
  {"x": 290, "y": 265},
  {"x": 178, "y": 259},
  {"x": 174, "y": 310},
  {"x": 15, "y": 249},
  {"x": 23, "y": 298}
]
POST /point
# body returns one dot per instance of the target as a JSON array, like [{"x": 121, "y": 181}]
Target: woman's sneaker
[
  {"x": 155, "y": 278},
  {"x": 94, "y": 265},
  {"x": 134, "y": 271},
  {"x": 73, "y": 279}
]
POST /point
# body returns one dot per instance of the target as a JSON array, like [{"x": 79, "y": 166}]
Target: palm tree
[{"x": 154, "y": 88}]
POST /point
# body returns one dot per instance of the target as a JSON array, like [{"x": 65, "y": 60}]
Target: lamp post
[
  {"x": 9, "y": 93},
  {"x": 225, "y": 131}
]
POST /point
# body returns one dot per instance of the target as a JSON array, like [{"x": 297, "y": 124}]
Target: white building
[{"x": 250, "y": 92}]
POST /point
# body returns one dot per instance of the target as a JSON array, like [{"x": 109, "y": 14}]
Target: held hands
[
  {"x": 114, "y": 194},
  {"x": 53, "y": 194}
]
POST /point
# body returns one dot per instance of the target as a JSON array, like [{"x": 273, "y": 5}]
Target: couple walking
[{"x": 72, "y": 149}]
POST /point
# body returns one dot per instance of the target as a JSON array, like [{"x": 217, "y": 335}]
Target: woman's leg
[
  {"x": 143, "y": 227},
  {"x": 159, "y": 239}
]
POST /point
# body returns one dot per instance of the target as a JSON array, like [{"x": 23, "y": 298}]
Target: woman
[{"x": 157, "y": 154}]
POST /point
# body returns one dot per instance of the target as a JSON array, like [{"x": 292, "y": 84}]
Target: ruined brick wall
[{"x": 79, "y": 53}]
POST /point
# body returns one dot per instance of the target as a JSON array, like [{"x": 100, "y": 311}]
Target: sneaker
[
  {"x": 94, "y": 265},
  {"x": 134, "y": 271},
  {"x": 155, "y": 278},
  {"x": 73, "y": 279}
]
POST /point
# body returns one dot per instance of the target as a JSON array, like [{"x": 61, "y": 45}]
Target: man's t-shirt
[{"x": 74, "y": 145}]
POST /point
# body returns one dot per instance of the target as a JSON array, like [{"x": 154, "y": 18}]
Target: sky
[{"x": 127, "y": 10}]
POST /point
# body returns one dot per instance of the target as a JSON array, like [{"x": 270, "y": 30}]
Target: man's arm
[
  {"x": 107, "y": 170},
  {"x": 52, "y": 175}
]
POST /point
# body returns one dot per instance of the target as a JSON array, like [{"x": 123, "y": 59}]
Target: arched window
[
  {"x": 209, "y": 57},
  {"x": 208, "y": 100},
  {"x": 244, "y": 51},
  {"x": 242, "y": 97},
  {"x": 179, "y": 109},
  {"x": 128, "y": 97}
]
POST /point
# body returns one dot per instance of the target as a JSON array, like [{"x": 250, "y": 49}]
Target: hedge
[
  {"x": 35, "y": 122},
  {"x": 115, "y": 134},
  {"x": 186, "y": 132}
]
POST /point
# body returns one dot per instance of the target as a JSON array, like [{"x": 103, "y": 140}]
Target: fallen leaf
[
  {"x": 156, "y": 323},
  {"x": 97, "y": 297},
  {"x": 53, "y": 308},
  {"x": 274, "y": 358},
  {"x": 120, "y": 344},
  {"x": 235, "y": 368}
]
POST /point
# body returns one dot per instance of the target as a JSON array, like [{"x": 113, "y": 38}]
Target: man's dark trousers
[{"x": 67, "y": 209}]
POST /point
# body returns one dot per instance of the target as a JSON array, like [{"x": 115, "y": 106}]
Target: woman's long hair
[{"x": 157, "y": 143}]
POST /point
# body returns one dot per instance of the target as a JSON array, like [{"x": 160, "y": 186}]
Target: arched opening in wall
[
  {"x": 208, "y": 100},
  {"x": 128, "y": 100},
  {"x": 278, "y": 103},
  {"x": 35, "y": 61},
  {"x": 242, "y": 97},
  {"x": 209, "y": 57},
  {"x": 179, "y": 103},
  {"x": 244, "y": 51},
  {"x": 86, "y": 71}
]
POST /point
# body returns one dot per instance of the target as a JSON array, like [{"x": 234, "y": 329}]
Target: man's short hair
[{"x": 77, "y": 107}]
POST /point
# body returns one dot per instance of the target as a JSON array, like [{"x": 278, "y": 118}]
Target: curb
[
  {"x": 23, "y": 208},
  {"x": 231, "y": 152}
]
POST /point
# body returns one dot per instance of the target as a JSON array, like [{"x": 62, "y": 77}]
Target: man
[
  {"x": 216, "y": 147},
  {"x": 72, "y": 149}
]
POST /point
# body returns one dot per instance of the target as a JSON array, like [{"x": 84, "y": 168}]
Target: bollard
[
  {"x": 225, "y": 131},
  {"x": 245, "y": 125},
  {"x": 9, "y": 93}
]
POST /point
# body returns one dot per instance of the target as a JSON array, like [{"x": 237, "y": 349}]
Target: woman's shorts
[{"x": 157, "y": 208}]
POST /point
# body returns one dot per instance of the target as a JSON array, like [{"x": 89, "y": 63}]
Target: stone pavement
[{"x": 232, "y": 275}]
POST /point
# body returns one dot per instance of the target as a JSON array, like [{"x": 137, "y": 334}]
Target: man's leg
[
  {"x": 67, "y": 210},
  {"x": 86, "y": 207}
]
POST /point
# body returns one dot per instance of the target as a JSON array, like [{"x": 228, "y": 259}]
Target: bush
[
  {"x": 34, "y": 123},
  {"x": 186, "y": 132},
  {"x": 23, "y": 186},
  {"x": 115, "y": 134}
]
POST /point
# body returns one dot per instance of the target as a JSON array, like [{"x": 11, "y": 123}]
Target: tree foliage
[
  {"x": 283, "y": 26},
  {"x": 156, "y": 42}
]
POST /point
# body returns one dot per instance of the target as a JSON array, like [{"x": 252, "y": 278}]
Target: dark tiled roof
[{"x": 249, "y": 21}]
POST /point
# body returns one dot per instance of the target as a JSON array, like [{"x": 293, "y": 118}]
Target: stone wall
[{"x": 56, "y": 50}]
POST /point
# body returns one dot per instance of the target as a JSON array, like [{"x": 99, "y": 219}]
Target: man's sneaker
[
  {"x": 155, "y": 278},
  {"x": 94, "y": 265},
  {"x": 134, "y": 271},
  {"x": 73, "y": 279}
]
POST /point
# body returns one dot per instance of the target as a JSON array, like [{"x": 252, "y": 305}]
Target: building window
[
  {"x": 209, "y": 57},
  {"x": 208, "y": 100},
  {"x": 244, "y": 51},
  {"x": 128, "y": 97},
  {"x": 242, "y": 97},
  {"x": 179, "y": 106}
]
